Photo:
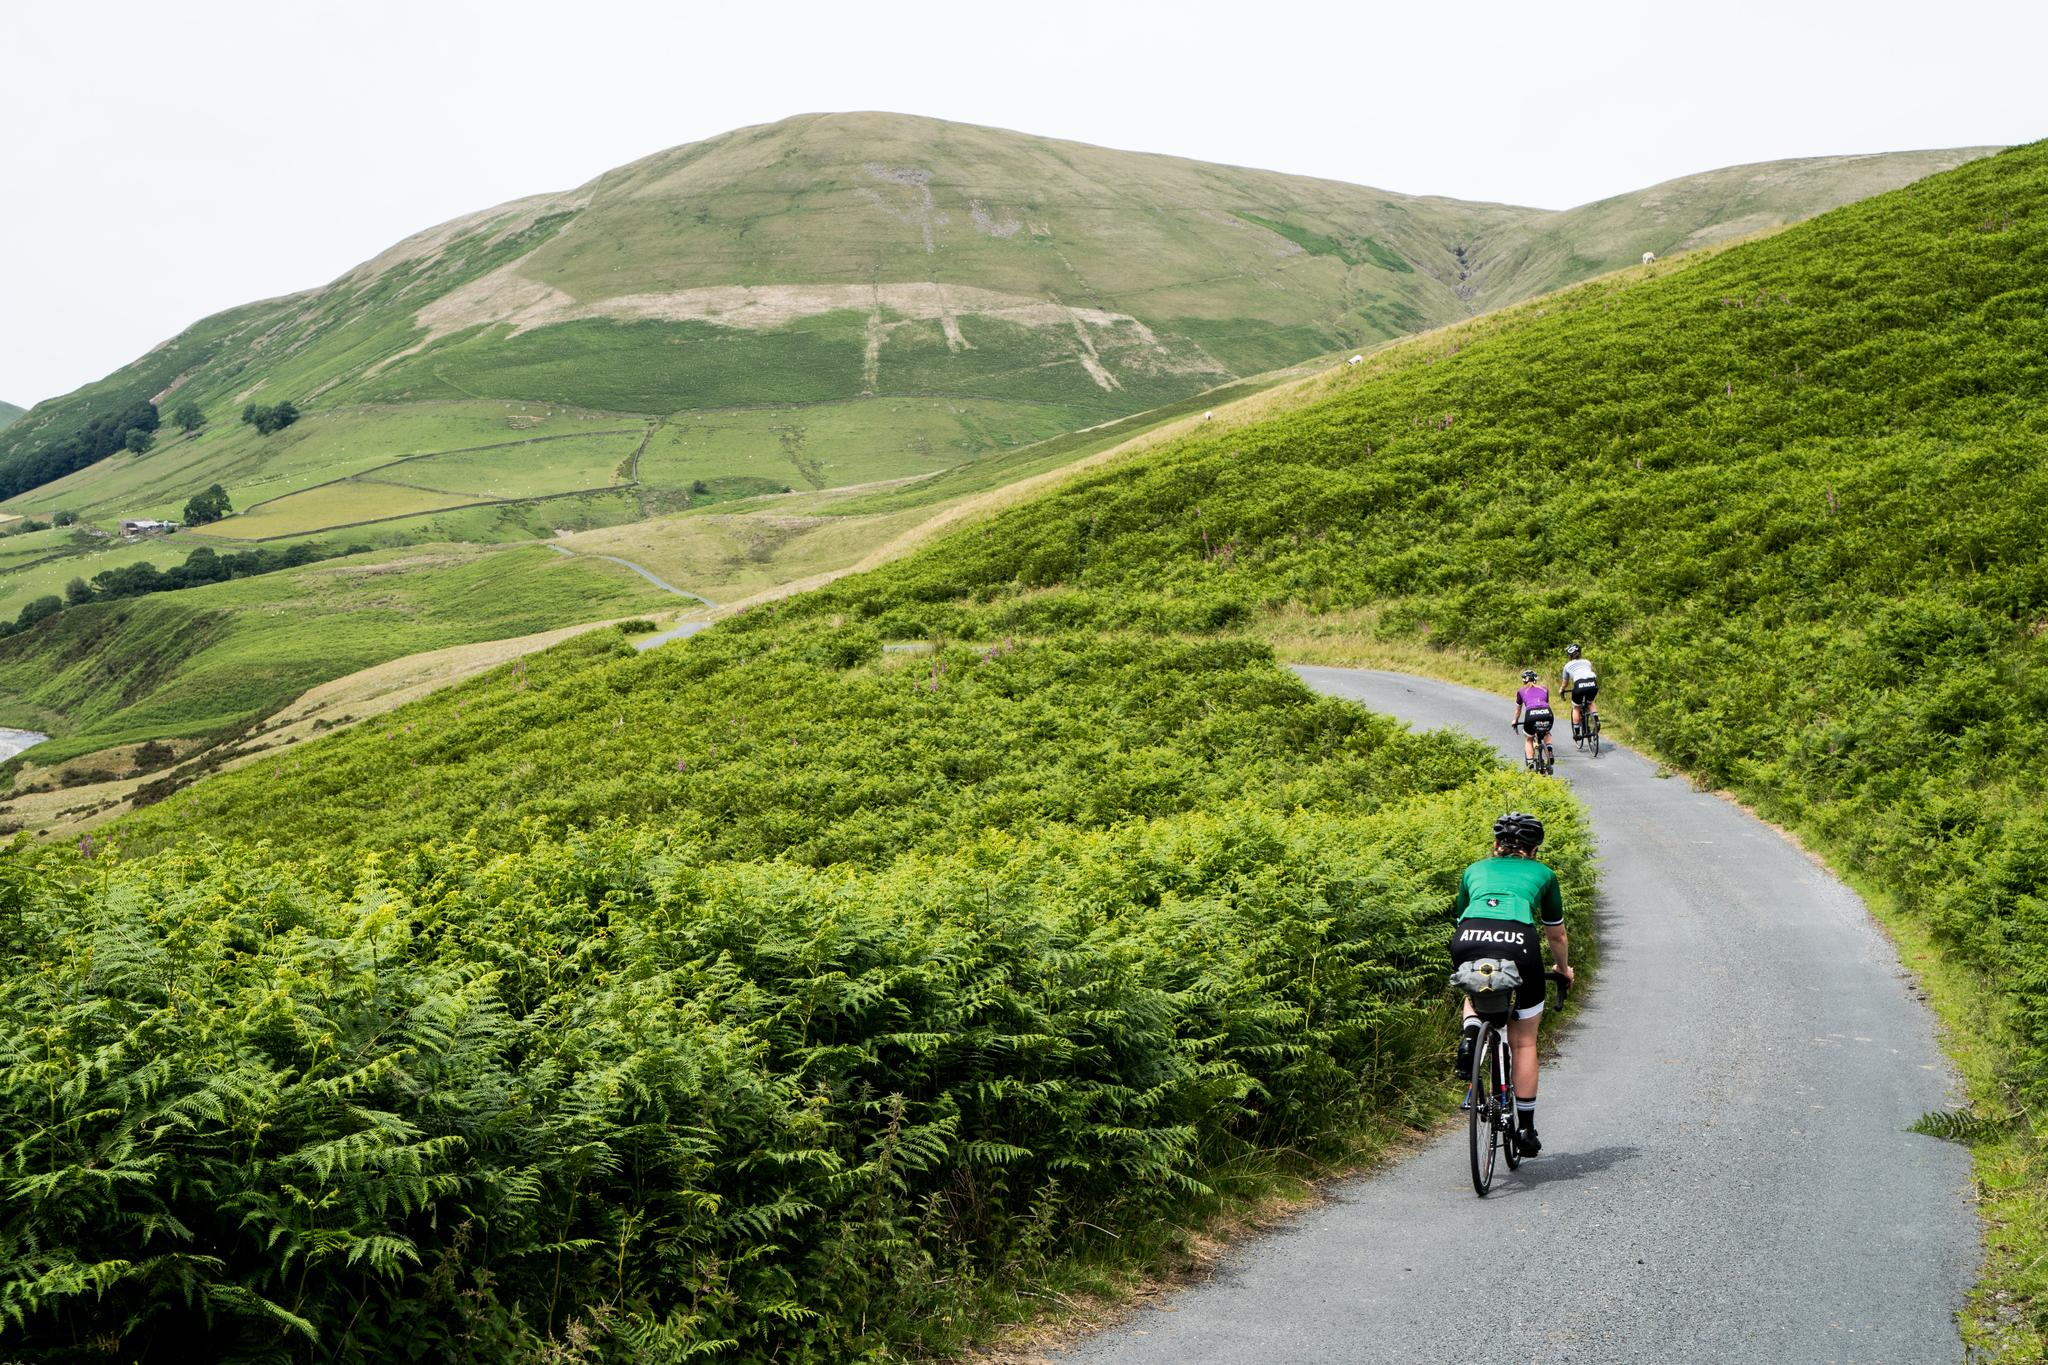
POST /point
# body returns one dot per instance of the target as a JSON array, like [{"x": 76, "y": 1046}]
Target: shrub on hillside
[{"x": 268, "y": 418}]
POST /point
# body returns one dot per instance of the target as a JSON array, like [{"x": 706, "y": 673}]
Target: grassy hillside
[
  {"x": 965, "y": 967},
  {"x": 826, "y": 301},
  {"x": 206, "y": 660},
  {"x": 882, "y": 994},
  {"x": 1787, "y": 496},
  {"x": 8, "y": 412}
]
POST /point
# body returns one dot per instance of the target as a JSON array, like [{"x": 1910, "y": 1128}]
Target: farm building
[{"x": 139, "y": 527}]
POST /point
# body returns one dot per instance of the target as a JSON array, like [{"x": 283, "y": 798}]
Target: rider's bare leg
[
  {"x": 1528, "y": 746},
  {"x": 1522, "y": 1038}
]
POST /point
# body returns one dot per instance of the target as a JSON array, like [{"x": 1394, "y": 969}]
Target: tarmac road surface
[{"x": 1726, "y": 1173}]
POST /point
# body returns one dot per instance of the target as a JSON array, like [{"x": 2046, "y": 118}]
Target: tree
[
  {"x": 64, "y": 519},
  {"x": 78, "y": 592},
  {"x": 275, "y": 417},
  {"x": 138, "y": 441},
  {"x": 39, "y": 610},
  {"x": 188, "y": 416},
  {"x": 86, "y": 444},
  {"x": 206, "y": 507}
]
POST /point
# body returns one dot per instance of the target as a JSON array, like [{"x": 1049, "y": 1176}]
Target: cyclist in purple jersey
[{"x": 1532, "y": 713}]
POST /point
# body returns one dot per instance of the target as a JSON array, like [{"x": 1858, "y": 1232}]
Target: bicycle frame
[{"x": 1491, "y": 1096}]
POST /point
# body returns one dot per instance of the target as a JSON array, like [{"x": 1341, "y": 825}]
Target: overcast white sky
[{"x": 162, "y": 161}]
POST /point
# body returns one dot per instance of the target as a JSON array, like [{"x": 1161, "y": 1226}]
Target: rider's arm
[
  {"x": 1560, "y": 949},
  {"x": 1550, "y": 910}
]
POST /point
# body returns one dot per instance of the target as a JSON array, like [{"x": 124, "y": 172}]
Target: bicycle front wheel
[
  {"x": 1504, "y": 1112},
  {"x": 1484, "y": 1125}
]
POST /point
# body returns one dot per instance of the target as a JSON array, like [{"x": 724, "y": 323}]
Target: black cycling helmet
[
  {"x": 1571, "y": 651},
  {"x": 1528, "y": 675},
  {"x": 1518, "y": 829}
]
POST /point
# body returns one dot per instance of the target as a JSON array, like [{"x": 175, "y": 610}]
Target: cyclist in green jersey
[{"x": 1502, "y": 901}]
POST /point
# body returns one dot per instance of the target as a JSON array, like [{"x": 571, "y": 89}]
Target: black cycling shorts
[
  {"x": 1510, "y": 939},
  {"x": 1584, "y": 692},
  {"x": 1537, "y": 720}
]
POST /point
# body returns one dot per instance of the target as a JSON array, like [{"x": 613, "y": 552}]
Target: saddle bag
[{"x": 1489, "y": 983}]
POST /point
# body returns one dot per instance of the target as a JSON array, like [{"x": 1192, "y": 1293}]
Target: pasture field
[
  {"x": 640, "y": 367},
  {"x": 321, "y": 446},
  {"x": 26, "y": 547},
  {"x": 726, "y": 558},
  {"x": 541, "y": 469},
  {"x": 328, "y": 506},
  {"x": 202, "y": 660},
  {"x": 830, "y": 445},
  {"x": 22, "y": 584}
]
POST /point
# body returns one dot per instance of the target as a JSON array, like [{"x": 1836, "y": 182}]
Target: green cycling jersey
[{"x": 1518, "y": 889}]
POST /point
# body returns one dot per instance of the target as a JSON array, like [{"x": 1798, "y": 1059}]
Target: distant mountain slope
[
  {"x": 8, "y": 412},
  {"x": 997, "y": 287}
]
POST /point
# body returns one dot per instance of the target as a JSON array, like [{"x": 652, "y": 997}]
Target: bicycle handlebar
[{"x": 1564, "y": 985}]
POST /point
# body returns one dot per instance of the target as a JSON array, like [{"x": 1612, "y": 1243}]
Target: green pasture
[
  {"x": 539, "y": 469},
  {"x": 197, "y": 661},
  {"x": 835, "y": 444},
  {"x": 331, "y": 505},
  {"x": 22, "y": 584},
  {"x": 319, "y": 447},
  {"x": 640, "y": 367}
]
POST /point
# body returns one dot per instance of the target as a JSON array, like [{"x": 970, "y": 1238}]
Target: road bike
[
  {"x": 1490, "y": 1090},
  {"x": 1589, "y": 722},
  {"x": 1539, "y": 720}
]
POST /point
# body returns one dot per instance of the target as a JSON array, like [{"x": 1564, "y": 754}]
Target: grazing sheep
[
  {"x": 1355, "y": 360},
  {"x": 1649, "y": 256}
]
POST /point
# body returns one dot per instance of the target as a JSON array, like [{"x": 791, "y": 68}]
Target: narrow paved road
[
  {"x": 1727, "y": 1174},
  {"x": 644, "y": 573}
]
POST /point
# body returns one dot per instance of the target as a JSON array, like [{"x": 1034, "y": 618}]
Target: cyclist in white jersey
[{"x": 1581, "y": 685}]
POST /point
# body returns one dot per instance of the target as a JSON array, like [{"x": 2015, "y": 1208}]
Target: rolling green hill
[
  {"x": 8, "y": 413},
  {"x": 829, "y": 300},
  {"x": 1787, "y": 495}
]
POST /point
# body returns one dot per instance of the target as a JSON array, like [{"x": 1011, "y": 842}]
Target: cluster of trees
[
  {"x": 188, "y": 417},
  {"x": 270, "y": 418},
  {"x": 210, "y": 506},
  {"x": 37, "y": 460},
  {"x": 203, "y": 566}
]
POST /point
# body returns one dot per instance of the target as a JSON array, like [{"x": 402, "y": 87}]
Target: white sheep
[
  {"x": 1649, "y": 256},
  {"x": 1356, "y": 360}
]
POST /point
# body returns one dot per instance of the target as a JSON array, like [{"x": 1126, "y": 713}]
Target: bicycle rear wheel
[
  {"x": 1593, "y": 733},
  {"x": 1484, "y": 1125}
]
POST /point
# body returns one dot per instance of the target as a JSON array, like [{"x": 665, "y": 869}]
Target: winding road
[{"x": 1726, "y": 1174}]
